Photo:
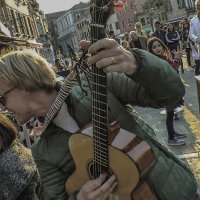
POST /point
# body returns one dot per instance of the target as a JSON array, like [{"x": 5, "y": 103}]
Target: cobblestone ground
[{"x": 194, "y": 125}]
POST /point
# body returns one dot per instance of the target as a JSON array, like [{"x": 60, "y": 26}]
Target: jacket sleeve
[
  {"x": 192, "y": 33},
  {"x": 155, "y": 84},
  {"x": 55, "y": 164}
]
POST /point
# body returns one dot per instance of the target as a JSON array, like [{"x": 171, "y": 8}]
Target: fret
[
  {"x": 94, "y": 74},
  {"x": 98, "y": 122},
  {"x": 97, "y": 138},
  {"x": 100, "y": 102},
  {"x": 100, "y": 110},
  {"x": 98, "y": 84},
  {"x": 103, "y": 164},
  {"x": 98, "y": 94},
  {"x": 103, "y": 129},
  {"x": 94, "y": 115},
  {"x": 100, "y": 148},
  {"x": 101, "y": 159}
]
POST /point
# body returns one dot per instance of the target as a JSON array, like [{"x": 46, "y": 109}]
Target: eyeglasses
[{"x": 2, "y": 97}]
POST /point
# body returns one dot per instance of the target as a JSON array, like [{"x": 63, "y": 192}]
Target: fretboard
[{"x": 99, "y": 113}]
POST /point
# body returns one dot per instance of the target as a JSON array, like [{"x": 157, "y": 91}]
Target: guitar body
[{"x": 125, "y": 165}]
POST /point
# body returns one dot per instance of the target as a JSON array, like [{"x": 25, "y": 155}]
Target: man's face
[
  {"x": 198, "y": 8},
  {"x": 17, "y": 102},
  {"x": 157, "y": 26}
]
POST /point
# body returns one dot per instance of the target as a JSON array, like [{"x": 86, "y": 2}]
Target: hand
[
  {"x": 113, "y": 58},
  {"x": 178, "y": 53},
  {"x": 95, "y": 190},
  {"x": 36, "y": 132}
]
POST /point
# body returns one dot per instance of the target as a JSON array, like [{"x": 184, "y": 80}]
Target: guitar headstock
[{"x": 101, "y": 10}]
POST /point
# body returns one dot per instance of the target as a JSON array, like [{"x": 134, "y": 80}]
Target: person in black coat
[
  {"x": 172, "y": 37},
  {"x": 159, "y": 33}
]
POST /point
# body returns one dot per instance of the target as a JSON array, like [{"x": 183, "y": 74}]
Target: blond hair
[
  {"x": 26, "y": 71},
  {"x": 196, "y": 2},
  {"x": 138, "y": 24}
]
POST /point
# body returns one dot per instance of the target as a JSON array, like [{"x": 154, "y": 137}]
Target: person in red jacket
[{"x": 159, "y": 49}]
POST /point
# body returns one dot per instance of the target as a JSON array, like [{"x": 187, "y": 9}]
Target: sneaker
[
  {"x": 179, "y": 135},
  {"x": 179, "y": 109},
  {"x": 176, "y": 142},
  {"x": 176, "y": 117},
  {"x": 163, "y": 112}
]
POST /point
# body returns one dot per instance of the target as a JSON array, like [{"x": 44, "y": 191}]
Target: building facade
[
  {"x": 147, "y": 11},
  {"x": 26, "y": 21}
]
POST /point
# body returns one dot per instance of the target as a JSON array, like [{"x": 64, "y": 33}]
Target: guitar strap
[{"x": 66, "y": 87}]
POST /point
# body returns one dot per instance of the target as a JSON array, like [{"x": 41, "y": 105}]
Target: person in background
[
  {"x": 58, "y": 55},
  {"x": 195, "y": 37},
  {"x": 111, "y": 34},
  {"x": 159, "y": 49},
  {"x": 135, "y": 78},
  {"x": 59, "y": 66},
  {"x": 159, "y": 33},
  {"x": 126, "y": 37},
  {"x": 173, "y": 41},
  {"x": 125, "y": 45},
  {"x": 172, "y": 37},
  {"x": 18, "y": 173},
  {"x": 136, "y": 41},
  {"x": 184, "y": 28},
  {"x": 139, "y": 31},
  {"x": 165, "y": 28}
]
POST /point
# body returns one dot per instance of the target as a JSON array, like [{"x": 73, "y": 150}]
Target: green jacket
[{"x": 156, "y": 85}]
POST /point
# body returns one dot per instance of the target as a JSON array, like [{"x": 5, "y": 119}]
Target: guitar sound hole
[{"x": 94, "y": 172}]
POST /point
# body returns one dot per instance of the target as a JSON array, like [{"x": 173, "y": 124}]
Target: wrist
[{"x": 131, "y": 69}]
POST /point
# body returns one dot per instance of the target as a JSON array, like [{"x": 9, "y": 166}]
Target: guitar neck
[{"x": 99, "y": 112}]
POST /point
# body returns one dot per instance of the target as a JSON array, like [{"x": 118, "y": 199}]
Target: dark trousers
[
  {"x": 170, "y": 124},
  {"x": 197, "y": 197},
  {"x": 182, "y": 69},
  {"x": 188, "y": 55},
  {"x": 197, "y": 67}
]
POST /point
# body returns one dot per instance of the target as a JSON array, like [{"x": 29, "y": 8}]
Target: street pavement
[{"x": 187, "y": 123}]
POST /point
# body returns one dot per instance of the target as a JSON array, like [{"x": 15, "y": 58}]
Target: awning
[{"x": 177, "y": 19}]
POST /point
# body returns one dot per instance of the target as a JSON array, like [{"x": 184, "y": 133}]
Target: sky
[{"x": 50, "y": 6}]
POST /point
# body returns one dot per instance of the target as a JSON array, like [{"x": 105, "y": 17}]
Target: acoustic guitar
[{"x": 107, "y": 148}]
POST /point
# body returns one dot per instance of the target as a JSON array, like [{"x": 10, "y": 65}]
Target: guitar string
[{"x": 100, "y": 153}]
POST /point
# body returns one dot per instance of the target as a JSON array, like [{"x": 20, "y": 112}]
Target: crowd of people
[{"x": 137, "y": 68}]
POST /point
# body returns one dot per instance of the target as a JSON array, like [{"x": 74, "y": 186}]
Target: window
[
  {"x": 117, "y": 25},
  {"x": 164, "y": 16},
  {"x": 122, "y": 23},
  {"x": 13, "y": 20},
  {"x": 181, "y": 4},
  {"x": 19, "y": 21},
  {"x": 189, "y": 4},
  {"x": 148, "y": 20},
  {"x": 129, "y": 22},
  {"x": 143, "y": 21},
  {"x": 169, "y": 6}
]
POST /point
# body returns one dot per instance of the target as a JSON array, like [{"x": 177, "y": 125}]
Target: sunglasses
[{"x": 2, "y": 97}]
